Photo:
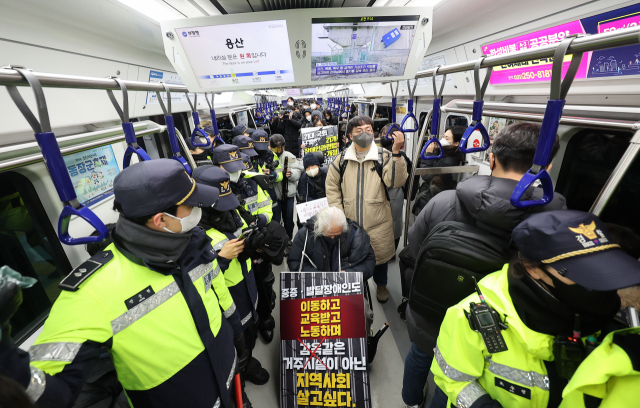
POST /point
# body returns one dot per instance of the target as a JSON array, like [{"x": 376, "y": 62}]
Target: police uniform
[
  {"x": 255, "y": 200},
  {"x": 578, "y": 247},
  {"x": 168, "y": 324},
  {"x": 238, "y": 274}
]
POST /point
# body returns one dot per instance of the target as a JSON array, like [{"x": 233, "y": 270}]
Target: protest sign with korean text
[
  {"x": 321, "y": 139},
  {"x": 310, "y": 208},
  {"x": 323, "y": 340}
]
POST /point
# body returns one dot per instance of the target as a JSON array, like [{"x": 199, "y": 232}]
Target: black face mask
[
  {"x": 588, "y": 303},
  {"x": 200, "y": 156},
  {"x": 331, "y": 242}
]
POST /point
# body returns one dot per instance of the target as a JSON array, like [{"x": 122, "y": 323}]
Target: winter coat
[
  {"x": 362, "y": 195},
  {"x": 290, "y": 129},
  {"x": 295, "y": 166},
  {"x": 481, "y": 201},
  {"x": 306, "y": 189},
  {"x": 356, "y": 253},
  {"x": 452, "y": 157},
  {"x": 396, "y": 197}
]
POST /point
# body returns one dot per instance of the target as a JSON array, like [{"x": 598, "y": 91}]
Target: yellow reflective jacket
[
  {"x": 278, "y": 169},
  {"x": 465, "y": 371},
  {"x": 610, "y": 376},
  {"x": 143, "y": 319},
  {"x": 258, "y": 202}
]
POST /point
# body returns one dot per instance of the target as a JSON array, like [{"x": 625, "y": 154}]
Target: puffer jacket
[
  {"x": 356, "y": 254},
  {"x": 295, "y": 166},
  {"x": 482, "y": 201},
  {"x": 306, "y": 189},
  {"x": 452, "y": 157},
  {"x": 362, "y": 195}
]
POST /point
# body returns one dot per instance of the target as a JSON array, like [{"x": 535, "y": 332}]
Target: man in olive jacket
[{"x": 361, "y": 192}]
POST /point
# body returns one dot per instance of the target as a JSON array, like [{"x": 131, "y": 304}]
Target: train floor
[{"x": 385, "y": 372}]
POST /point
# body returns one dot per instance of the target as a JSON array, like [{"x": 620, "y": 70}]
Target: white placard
[
  {"x": 157, "y": 77},
  {"x": 430, "y": 62},
  {"x": 311, "y": 208},
  {"x": 255, "y": 53}
]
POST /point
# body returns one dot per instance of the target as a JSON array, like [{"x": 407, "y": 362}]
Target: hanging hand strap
[
  {"x": 55, "y": 164},
  {"x": 410, "y": 114},
  {"x": 127, "y": 126},
  {"x": 214, "y": 121},
  {"x": 548, "y": 129},
  {"x": 435, "y": 118},
  {"x": 476, "y": 117},
  {"x": 394, "y": 100},
  {"x": 171, "y": 128},
  {"x": 198, "y": 134}
]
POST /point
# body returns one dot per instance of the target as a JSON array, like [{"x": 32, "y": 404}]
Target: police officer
[
  {"x": 224, "y": 226},
  {"x": 239, "y": 130},
  {"x": 155, "y": 298},
  {"x": 560, "y": 290},
  {"x": 250, "y": 189},
  {"x": 246, "y": 146},
  {"x": 267, "y": 163}
]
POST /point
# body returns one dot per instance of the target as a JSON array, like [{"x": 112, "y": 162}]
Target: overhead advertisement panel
[
  {"x": 361, "y": 47},
  {"x": 613, "y": 62},
  {"x": 237, "y": 55}
]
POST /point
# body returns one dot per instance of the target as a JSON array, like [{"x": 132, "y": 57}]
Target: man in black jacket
[
  {"x": 311, "y": 184},
  {"x": 482, "y": 201},
  {"x": 288, "y": 125}
]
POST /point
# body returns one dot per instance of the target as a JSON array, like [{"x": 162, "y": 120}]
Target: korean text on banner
[
  {"x": 311, "y": 208},
  {"x": 321, "y": 139},
  {"x": 323, "y": 340}
]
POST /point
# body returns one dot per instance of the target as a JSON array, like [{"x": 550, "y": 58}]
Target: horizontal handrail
[
  {"x": 599, "y": 123},
  {"x": 423, "y": 171},
  {"x": 37, "y": 157},
  {"x": 611, "y": 39}
]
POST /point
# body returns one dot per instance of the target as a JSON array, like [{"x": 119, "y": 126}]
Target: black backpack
[{"x": 451, "y": 254}]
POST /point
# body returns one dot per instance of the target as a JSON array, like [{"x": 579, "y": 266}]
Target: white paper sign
[
  {"x": 311, "y": 208},
  {"x": 431, "y": 62}
]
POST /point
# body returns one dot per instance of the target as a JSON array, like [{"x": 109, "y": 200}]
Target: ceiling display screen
[
  {"x": 361, "y": 47},
  {"x": 239, "y": 55}
]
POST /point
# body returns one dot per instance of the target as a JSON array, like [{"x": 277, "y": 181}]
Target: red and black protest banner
[{"x": 323, "y": 340}]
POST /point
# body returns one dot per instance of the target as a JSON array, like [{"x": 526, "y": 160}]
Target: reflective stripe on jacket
[
  {"x": 609, "y": 377},
  {"x": 256, "y": 200},
  {"x": 466, "y": 371},
  {"x": 144, "y": 320},
  {"x": 239, "y": 278}
]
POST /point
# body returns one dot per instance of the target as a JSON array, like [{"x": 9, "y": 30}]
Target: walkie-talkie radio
[
  {"x": 568, "y": 352},
  {"x": 483, "y": 319}
]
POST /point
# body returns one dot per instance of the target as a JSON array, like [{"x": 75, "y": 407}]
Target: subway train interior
[{"x": 175, "y": 66}]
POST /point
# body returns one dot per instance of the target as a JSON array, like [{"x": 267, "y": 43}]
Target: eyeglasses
[{"x": 362, "y": 129}]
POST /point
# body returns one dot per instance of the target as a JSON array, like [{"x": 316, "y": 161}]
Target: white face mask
[
  {"x": 189, "y": 222},
  {"x": 313, "y": 106},
  {"x": 444, "y": 142},
  {"x": 313, "y": 172},
  {"x": 235, "y": 176},
  {"x": 305, "y": 107},
  {"x": 290, "y": 103},
  {"x": 308, "y": 118}
]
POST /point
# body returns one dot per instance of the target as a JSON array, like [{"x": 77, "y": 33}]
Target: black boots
[
  {"x": 265, "y": 327},
  {"x": 255, "y": 373}
]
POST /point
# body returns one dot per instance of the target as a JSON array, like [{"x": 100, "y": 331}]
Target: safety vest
[
  {"x": 278, "y": 169},
  {"x": 256, "y": 200},
  {"x": 142, "y": 317},
  {"x": 610, "y": 376},
  {"x": 465, "y": 370},
  {"x": 238, "y": 277}
]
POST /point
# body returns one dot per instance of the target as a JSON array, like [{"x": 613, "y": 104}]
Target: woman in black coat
[{"x": 288, "y": 125}]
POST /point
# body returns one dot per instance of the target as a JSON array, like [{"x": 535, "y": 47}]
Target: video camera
[{"x": 272, "y": 166}]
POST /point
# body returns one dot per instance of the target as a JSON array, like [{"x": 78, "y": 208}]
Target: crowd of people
[{"x": 183, "y": 288}]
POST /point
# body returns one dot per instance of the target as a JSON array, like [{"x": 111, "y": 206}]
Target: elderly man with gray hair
[{"x": 329, "y": 242}]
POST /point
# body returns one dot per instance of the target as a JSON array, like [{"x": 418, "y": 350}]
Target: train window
[
  {"x": 29, "y": 244},
  {"x": 453, "y": 120},
  {"x": 589, "y": 160}
]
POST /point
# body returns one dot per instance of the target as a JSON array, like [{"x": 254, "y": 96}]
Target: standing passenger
[{"x": 357, "y": 183}]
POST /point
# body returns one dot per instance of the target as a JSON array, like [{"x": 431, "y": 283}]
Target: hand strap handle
[
  {"x": 214, "y": 121},
  {"x": 476, "y": 117},
  {"x": 198, "y": 134},
  {"x": 435, "y": 118},
  {"x": 127, "y": 126},
  {"x": 55, "y": 164},
  {"x": 548, "y": 129},
  {"x": 171, "y": 128},
  {"x": 410, "y": 114}
]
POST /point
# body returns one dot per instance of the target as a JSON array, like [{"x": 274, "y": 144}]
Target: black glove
[
  {"x": 243, "y": 353},
  {"x": 10, "y": 301},
  {"x": 256, "y": 240}
]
